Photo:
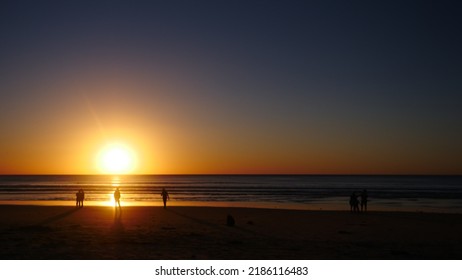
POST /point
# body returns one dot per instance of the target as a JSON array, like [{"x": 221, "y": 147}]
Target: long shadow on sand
[
  {"x": 42, "y": 226},
  {"x": 57, "y": 217},
  {"x": 118, "y": 226}
]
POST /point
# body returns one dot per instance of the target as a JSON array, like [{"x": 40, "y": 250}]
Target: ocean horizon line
[{"x": 232, "y": 174}]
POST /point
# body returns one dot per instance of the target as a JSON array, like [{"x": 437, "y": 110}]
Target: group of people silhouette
[
  {"x": 80, "y": 197},
  {"x": 355, "y": 202}
]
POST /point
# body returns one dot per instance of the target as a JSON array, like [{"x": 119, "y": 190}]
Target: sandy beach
[{"x": 60, "y": 232}]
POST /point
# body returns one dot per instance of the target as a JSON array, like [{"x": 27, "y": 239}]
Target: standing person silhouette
[
  {"x": 165, "y": 196},
  {"x": 77, "y": 199},
  {"x": 82, "y": 197},
  {"x": 117, "y": 197},
  {"x": 364, "y": 201}
]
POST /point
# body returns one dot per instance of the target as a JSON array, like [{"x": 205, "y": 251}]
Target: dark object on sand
[{"x": 230, "y": 221}]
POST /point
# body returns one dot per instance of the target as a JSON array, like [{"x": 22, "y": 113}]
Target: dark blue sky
[{"x": 328, "y": 86}]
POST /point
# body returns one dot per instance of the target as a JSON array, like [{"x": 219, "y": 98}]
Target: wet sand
[{"x": 61, "y": 232}]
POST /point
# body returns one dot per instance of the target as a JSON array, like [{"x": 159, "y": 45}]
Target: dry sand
[{"x": 60, "y": 232}]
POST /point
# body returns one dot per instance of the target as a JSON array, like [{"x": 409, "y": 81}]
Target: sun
[{"x": 116, "y": 158}]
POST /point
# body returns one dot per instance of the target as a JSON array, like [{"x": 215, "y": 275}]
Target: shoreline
[
  {"x": 188, "y": 232},
  {"x": 317, "y": 206}
]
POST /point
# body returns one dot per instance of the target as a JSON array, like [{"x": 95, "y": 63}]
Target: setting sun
[{"x": 116, "y": 158}]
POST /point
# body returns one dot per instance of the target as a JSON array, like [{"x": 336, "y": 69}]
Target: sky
[{"x": 231, "y": 87}]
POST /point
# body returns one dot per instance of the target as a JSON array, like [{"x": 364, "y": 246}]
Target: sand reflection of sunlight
[{"x": 111, "y": 200}]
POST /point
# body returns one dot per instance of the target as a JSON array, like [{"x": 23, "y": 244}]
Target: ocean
[{"x": 314, "y": 192}]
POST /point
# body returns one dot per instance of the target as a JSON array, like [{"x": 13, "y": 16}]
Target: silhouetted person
[
  {"x": 117, "y": 197},
  {"x": 364, "y": 201},
  {"x": 82, "y": 197},
  {"x": 165, "y": 197},
  {"x": 354, "y": 203},
  {"x": 77, "y": 199}
]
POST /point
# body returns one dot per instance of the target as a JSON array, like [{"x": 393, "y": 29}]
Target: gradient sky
[{"x": 339, "y": 87}]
